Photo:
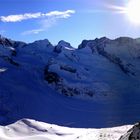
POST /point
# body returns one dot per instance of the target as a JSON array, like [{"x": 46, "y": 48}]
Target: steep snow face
[
  {"x": 86, "y": 87},
  {"x": 34, "y": 130}
]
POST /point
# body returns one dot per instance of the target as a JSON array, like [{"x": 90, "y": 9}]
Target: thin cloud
[
  {"x": 51, "y": 20},
  {"x": 26, "y": 16},
  {"x": 34, "y": 31}
]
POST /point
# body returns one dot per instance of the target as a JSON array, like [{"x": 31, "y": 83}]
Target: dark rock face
[
  {"x": 116, "y": 60},
  {"x": 124, "y": 40},
  {"x": 68, "y": 68},
  {"x": 93, "y": 43},
  {"x": 58, "y": 49},
  {"x": 100, "y": 45},
  {"x": 132, "y": 134},
  {"x": 88, "y": 43},
  {"x": 10, "y": 60},
  {"x": 51, "y": 77},
  {"x": 11, "y": 43},
  {"x": 14, "y": 53},
  {"x": 70, "y": 91},
  {"x": 61, "y": 46},
  {"x": 60, "y": 85},
  {"x": 10, "y": 48},
  {"x": 84, "y": 44},
  {"x": 5, "y": 42}
]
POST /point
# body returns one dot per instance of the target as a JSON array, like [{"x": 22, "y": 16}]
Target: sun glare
[{"x": 132, "y": 10}]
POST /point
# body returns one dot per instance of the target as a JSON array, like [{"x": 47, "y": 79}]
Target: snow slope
[
  {"x": 33, "y": 130},
  {"x": 94, "y": 86}
]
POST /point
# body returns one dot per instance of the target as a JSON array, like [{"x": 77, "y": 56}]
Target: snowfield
[{"x": 33, "y": 130}]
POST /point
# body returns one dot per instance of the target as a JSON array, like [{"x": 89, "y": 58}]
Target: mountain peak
[
  {"x": 91, "y": 43},
  {"x": 62, "y": 45},
  {"x": 5, "y": 41},
  {"x": 42, "y": 42}
]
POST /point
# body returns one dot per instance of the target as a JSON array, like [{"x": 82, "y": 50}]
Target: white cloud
[
  {"x": 18, "y": 18},
  {"x": 21, "y": 17},
  {"x": 59, "y": 14}
]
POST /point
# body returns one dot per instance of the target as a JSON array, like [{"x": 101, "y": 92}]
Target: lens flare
[{"x": 133, "y": 11}]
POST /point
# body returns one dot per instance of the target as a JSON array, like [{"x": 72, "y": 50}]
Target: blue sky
[{"x": 70, "y": 20}]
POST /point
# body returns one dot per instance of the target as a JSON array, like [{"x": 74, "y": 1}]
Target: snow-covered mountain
[{"x": 95, "y": 85}]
